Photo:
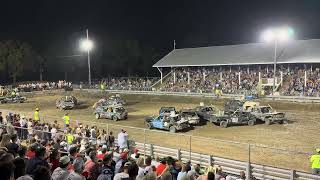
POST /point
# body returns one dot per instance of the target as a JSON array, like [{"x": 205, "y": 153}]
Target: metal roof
[{"x": 296, "y": 51}]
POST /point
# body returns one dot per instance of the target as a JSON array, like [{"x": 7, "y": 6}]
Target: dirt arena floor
[{"x": 288, "y": 145}]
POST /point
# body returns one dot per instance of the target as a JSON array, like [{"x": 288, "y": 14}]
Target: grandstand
[{"x": 243, "y": 67}]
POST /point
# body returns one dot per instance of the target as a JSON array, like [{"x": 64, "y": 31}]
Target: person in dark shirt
[
  {"x": 1, "y": 118},
  {"x": 37, "y": 160},
  {"x": 13, "y": 147}
]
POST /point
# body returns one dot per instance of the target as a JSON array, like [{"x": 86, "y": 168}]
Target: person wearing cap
[
  {"x": 36, "y": 115},
  {"x": 107, "y": 171},
  {"x": 125, "y": 173},
  {"x": 119, "y": 164},
  {"x": 61, "y": 173},
  {"x": 315, "y": 162}
]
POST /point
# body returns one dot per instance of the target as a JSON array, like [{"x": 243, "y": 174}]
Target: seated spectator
[{"x": 61, "y": 172}]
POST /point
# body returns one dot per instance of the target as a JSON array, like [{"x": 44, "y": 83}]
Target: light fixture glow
[
  {"x": 280, "y": 34},
  {"x": 86, "y": 45}
]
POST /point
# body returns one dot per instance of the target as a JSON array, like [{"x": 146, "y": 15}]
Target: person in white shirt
[
  {"x": 30, "y": 130},
  {"x": 53, "y": 132},
  {"x": 23, "y": 124},
  {"x": 123, "y": 140}
]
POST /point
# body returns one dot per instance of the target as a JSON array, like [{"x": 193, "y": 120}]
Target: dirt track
[{"x": 300, "y": 134}]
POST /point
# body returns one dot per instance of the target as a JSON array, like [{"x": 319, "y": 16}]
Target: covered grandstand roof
[{"x": 297, "y": 51}]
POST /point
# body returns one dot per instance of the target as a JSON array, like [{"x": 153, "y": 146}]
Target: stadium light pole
[
  {"x": 276, "y": 35},
  {"x": 87, "y": 45}
]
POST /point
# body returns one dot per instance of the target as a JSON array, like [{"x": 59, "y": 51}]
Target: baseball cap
[{"x": 64, "y": 160}]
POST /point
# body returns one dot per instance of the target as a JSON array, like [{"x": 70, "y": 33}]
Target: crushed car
[
  {"x": 167, "y": 110},
  {"x": 67, "y": 102},
  {"x": 171, "y": 123},
  {"x": 207, "y": 113},
  {"x": 238, "y": 117},
  {"x": 190, "y": 115},
  {"x": 115, "y": 100},
  {"x": 111, "y": 112},
  {"x": 267, "y": 114},
  {"x": 13, "y": 99}
]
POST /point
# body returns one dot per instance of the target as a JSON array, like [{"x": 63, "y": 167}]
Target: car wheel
[
  {"x": 97, "y": 116},
  {"x": 251, "y": 122},
  {"x": 148, "y": 126},
  {"x": 281, "y": 122},
  {"x": 115, "y": 118},
  {"x": 224, "y": 124},
  {"x": 267, "y": 121},
  {"x": 172, "y": 129}
]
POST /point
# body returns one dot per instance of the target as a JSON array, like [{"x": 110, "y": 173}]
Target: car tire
[
  {"x": 97, "y": 116},
  {"x": 267, "y": 121},
  {"x": 148, "y": 126},
  {"x": 224, "y": 124},
  {"x": 114, "y": 118},
  {"x": 281, "y": 121},
  {"x": 251, "y": 122},
  {"x": 172, "y": 129}
]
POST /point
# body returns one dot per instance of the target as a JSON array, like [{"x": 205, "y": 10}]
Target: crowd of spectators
[
  {"x": 135, "y": 84},
  {"x": 39, "y": 86},
  {"x": 43, "y": 151},
  {"x": 226, "y": 79}
]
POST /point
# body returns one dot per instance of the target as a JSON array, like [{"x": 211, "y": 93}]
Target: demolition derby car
[
  {"x": 172, "y": 123},
  {"x": 67, "y": 102},
  {"x": 12, "y": 99},
  {"x": 111, "y": 112},
  {"x": 238, "y": 117},
  {"x": 190, "y": 115},
  {"x": 263, "y": 113},
  {"x": 111, "y": 101},
  {"x": 207, "y": 113}
]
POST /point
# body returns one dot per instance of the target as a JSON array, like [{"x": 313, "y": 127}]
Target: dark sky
[
  {"x": 191, "y": 23},
  {"x": 156, "y": 23}
]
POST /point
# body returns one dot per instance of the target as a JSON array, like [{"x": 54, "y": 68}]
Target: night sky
[{"x": 54, "y": 27}]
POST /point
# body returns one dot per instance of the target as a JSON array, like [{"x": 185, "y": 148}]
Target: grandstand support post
[
  {"x": 274, "y": 66},
  {"x": 230, "y": 69},
  {"x": 259, "y": 77},
  {"x": 204, "y": 76},
  {"x": 248, "y": 169},
  {"x": 151, "y": 151},
  {"x": 248, "y": 71},
  {"x": 267, "y": 69},
  {"x": 161, "y": 75},
  {"x": 305, "y": 79},
  {"x": 188, "y": 73},
  {"x": 220, "y": 75},
  {"x": 178, "y": 154},
  {"x": 239, "y": 77},
  {"x": 311, "y": 68},
  {"x": 174, "y": 76}
]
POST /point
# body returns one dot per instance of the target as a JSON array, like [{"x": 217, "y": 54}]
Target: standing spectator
[
  {"x": 91, "y": 166},
  {"x": 5, "y": 140},
  {"x": 30, "y": 128},
  {"x": 61, "y": 173},
  {"x": 183, "y": 173},
  {"x": 110, "y": 140},
  {"x": 242, "y": 176},
  {"x": 93, "y": 135},
  {"x": 123, "y": 140},
  {"x": 140, "y": 163},
  {"x": 42, "y": 173},
  {"x": 23, "y": 125},
  {"x": 38, "y": 160},
  {"x": 6, "y": 166},
  {"x": 78, "y": 168},
  {"x": 125, "y": 173},
  {"x": 107, "y": 171},
  {"x": 54, "y": 159},
  {"x": 162, "y": 166},
  {"x": 20, "y": 167},
  {"x": 315, "y": 162},
  {"x": 53, "y": 132},
  {"x": 13, "y": 147}
]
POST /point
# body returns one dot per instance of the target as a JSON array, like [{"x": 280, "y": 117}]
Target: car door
[{"x": 157, "y": 122}]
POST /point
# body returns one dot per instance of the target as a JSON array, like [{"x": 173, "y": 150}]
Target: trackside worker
[
  {"x": 13, "y": 93},
  {"x": 69, "y": 137},
  {"x": 315, "y": 162},
  {"x": 66, "y": 119},
  {"x": 36, "y": 116}
]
